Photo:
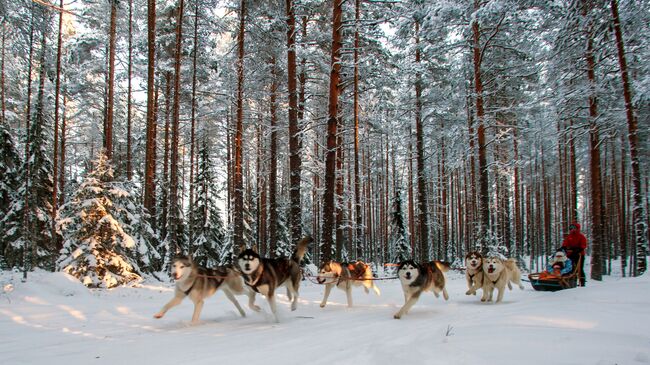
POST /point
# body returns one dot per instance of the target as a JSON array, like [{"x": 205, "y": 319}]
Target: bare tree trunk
[
  {"x": 164, "y": 199},
  {"x": 28, "y": 116},
  {"x": 357, "y": 177},
  {"x": 340, "y": 155},
  {"x": 332, "y": 122},
  {"x": 573, "y": 178},
  {"x": 419, "y": 149},
  {"x": 61, "y": 176},
  {"x": 150, "y": 166},
  {"x": 55, "y": 154},
  {"x": 108, "y": 128},
  {"x": 174, "y": 208},
  {"x": 193, "y": 119},
  {"x": 484, "y": 199},
  {"x": 2, "y": 78},
  {"x": 595, "y": 164},
  {"x": 273, "y": 174},
  {"x": 622, "y": 218},
  {"x": 295, "y": 144},
  {"x": 238, "y": 238},
  {"x": 638, "y": 214},
  {"x": 129, "y": 164}
]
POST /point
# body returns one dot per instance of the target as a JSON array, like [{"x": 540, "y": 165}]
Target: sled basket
[{"x": 550, "y": 283}]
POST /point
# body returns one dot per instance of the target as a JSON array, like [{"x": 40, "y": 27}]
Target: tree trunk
[
  {"x": 419, "y": 148},
  {"x": 357, "y": 177},
  {"x": 61, "y": 176},
  {"x": 273, "y": 174},
  {"x": 484, "y": 198},
  {"x": 164, "y": 199},
  {"x": 638, "y": 214},
  {"x": 594, "y": 152},
  {"x": 332, "y": 122},
  {"x": 174, "y": 208},
  {"x": 573, "y": 177},
  {"x": 193, "y": 119},
  {"x": 129, "y": 164},
  {"x": 108, "y": 127},
  {"x": 150, "y": 166},
  {"x": 295, "y": 144},
  {"x": 28, "y": 115},
  {"x": 55, "y": 144},
  {"x": 238, "y": 238}
]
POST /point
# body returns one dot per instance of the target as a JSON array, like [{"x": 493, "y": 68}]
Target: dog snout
[
  {"x": 247, "y": 267},
  {"x": 408, "y": 275}
]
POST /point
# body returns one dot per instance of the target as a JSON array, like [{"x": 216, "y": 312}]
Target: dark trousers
[{"x": 575, "y": 257}]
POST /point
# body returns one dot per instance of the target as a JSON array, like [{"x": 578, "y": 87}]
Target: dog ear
[{"x": 254, "y": 249}]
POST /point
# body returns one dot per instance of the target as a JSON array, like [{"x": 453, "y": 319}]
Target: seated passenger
[{"x": 559, "y": 264}]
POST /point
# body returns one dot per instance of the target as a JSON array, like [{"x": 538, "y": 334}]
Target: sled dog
[
  {"x": 418, "y": 278},
  {"x": 344, "y": 276},
  {"x": 497, "y": 273},
  {"x": 199, "y": 283},
  {"x": 265, "y": 275},
  {"x": 473, "y": 272}
]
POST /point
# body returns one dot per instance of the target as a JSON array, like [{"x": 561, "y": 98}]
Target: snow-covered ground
[{"x": 53, "y": 319}]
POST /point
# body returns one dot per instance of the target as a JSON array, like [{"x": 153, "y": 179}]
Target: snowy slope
[{"x": 55, "y": 320}]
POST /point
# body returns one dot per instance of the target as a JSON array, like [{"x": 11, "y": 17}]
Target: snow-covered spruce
[
  {"x": 107, "y": 237},
  {"x": 208, "y": 244}
]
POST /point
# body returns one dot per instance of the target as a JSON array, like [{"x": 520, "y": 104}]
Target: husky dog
[
  {"x": 344, "y": 276},
  {"x": 418, "y": 278},
  {"x": 199, "y": 283},
  {"x": 473, "y": 272},
  {"x": 265, "y": 275},
  {"x": 497, "y": 274}
]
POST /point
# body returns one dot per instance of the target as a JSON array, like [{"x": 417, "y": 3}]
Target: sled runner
[{"x": 543, "y": 281}]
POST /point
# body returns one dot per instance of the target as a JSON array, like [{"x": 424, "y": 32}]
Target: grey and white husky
[
  {"x": 265, "y": 275},
  {"x": 418, "y": 278},
  {"x": 199, "y": 283}
]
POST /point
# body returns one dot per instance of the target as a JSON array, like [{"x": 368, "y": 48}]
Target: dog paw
[
  {"x": 483, "y": 299},
  {"x": 397, "y": 316},
  {"x": 256, "y": 308},
  {"x": 158, "y": 315},
  {"x": 322, "y": 305}
]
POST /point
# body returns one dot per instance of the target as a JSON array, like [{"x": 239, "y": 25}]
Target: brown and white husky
[{"x": 345, "y": 276}]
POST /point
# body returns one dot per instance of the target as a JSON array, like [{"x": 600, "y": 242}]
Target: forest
[{"x": 133, "y": 131}]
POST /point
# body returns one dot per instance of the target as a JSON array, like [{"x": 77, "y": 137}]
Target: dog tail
[
  {"x": 301, "y": 249},
  {"x": 511, "y": 263},
  {"x": 443, "y": 266}
]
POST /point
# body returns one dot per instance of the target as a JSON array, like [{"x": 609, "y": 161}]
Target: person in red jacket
[{"x": 575, "y": 244}]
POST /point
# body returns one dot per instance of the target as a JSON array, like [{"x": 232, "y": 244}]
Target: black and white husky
[
  {"x": 199, "y": 283},
  {"x": 265, "y": 275},
  {"x": 418, "y": 278}
]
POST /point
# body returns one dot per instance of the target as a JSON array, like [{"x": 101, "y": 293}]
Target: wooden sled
[{"x": 541, "y": 282}]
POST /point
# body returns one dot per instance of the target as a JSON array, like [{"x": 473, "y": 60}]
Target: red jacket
[{"x": 575, "y": 240}]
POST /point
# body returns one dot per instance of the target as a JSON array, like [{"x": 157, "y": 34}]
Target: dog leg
[
  {"x": 348, "y": 294},
  {"x": 484, "y": 296},
  {"x": 376, "y": 289},
  {"x": 509, "y": 285},
  {"x": 198, "y": 306},
  {"x": 500, "y": 295},
  {"x": 251, "y": 301},
  {"x": 407, "y": 306},
  {"x": 176, "y": 300},
  {"x": 328, "y": 289},
  {"x": 234, "y": 301},
  {"x": 470, "y": 285},
  {"x": 293, "y": 296},
  {"x": 274, "y": 309},
  {"x": 445, "y": 294}
]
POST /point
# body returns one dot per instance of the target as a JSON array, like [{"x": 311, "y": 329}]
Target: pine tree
[
  {"x": 206, "y": 219},
  {"x": 9, "y": 180},
  {"x": 398, "y": 241},
  {"x": 107, "y": 237},
  {"x": 33, "y": 227}
]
